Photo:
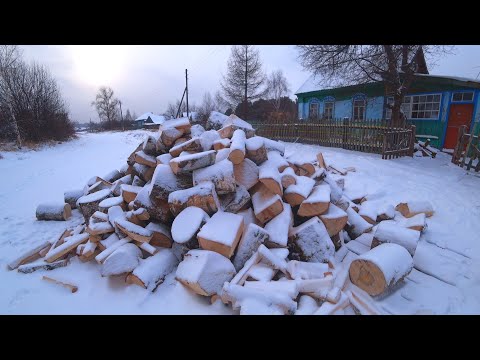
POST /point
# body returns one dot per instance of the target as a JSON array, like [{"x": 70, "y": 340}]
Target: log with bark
[
  {"x": 297, "y": 193},
  {"x": 188, "y": 163},
  {"x": 234, "y": 202},
  {"x": 71, "y": 197},
  {"x": 387, "y": 232},
  {"x": 266, "y": 205},
  {"x": 334, "y": 219},
  {"x": 221, "y": 174},
  {"x": 165, "y": 182},
  {"x": 193, "y": 145},
  {"x": 252, "y": 238},
  {"x": 144, "y": 159},
  {"x": 53, "y": 211},
  {"x": 202, "y": 196},
  {"x": 88, "y": 204},
  {"x": 380, "y": 268},
  {"x": 246, "y": 173},
  {"x": 123, "y": 260},
  {"x": 256, "y": 150}
]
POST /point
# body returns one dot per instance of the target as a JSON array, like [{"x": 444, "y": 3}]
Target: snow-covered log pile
[{"x": 228, "y": 215}]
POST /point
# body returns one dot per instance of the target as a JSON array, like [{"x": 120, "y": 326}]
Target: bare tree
[
  {"x": 106, "y": 105},
  {"x": 207, "y": 106},
  {"x": 277, "y": 87},
  {"x": 245, "y": 78},
  {"x": 221, "y": 104},
  {"x": 172, "y": 108},
  {"x": 359, "y": 64}
]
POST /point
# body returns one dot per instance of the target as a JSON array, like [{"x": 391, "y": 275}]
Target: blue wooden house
[{"x": 436, "y": 105}]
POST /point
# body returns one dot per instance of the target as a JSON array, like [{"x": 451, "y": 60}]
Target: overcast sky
[{"x": 146, "y": 78}]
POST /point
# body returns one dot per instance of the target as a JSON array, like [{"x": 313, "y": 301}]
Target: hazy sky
[{"x": 146, "y": 78}]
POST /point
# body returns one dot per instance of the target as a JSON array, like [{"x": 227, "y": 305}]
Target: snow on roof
[
  {"x": 313, "y": 83},
  {"x": 157, "y": 119},
  {"x": 144, "y": 116}
]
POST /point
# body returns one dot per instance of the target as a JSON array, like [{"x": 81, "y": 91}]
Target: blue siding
[
  {"x": 374, "y": 109},
  {"x": 343, "y": 109}
]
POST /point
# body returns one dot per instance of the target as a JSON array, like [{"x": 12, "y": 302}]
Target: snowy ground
[{"x": 446, "y": 279}]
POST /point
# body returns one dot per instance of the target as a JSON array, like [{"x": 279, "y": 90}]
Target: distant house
[
  {"x": 436, "y": 105},
  {"x": 149, "y": 119}
]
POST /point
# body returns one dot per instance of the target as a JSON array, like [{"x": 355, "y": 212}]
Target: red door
[{"x": 460, "y": 114}]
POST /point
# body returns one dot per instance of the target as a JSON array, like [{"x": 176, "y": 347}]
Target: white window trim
[
  {"x": 410, "y": 103},
  {"x": 463, "y": 92},
  {"x": 364, "y": 107}
]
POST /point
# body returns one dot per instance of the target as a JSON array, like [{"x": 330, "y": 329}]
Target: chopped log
[
  {"x": 89, "y": 251},
  {"x": 170, "y": 135},
  {"x": 238, "y": 295},
  {"x": 261, "y": 272},
  {"x": 104, "y": 205},
  {"x": 161, "y": 235},
  {"x": 30, "y": 254},
  {"x": 334, "y": 219},
  {"x": 252, "y": 238},
  {"x": 129, "y": 192},
  {"x": 306, "y": 271},
  {"x": 288, "y": 177},
  {"x": 131, "y": 157},
  {"x": 70, "y": 243},
  {"x": 112, "y": 176},
  {"x": 42, "y": 265},
  {"x": 386, "y": 213},
  {"x": 202, "y": 196},
  {"x": 271, "y": 178},
  {"x": 116, "y": 190},
  {"x": 317, "y": 288},
  {"x": 152, "y": 271},
  {"x": 336, "y": 194},
  {"x": 144, "y": 159},
  {"x": 60, "y": 240},
  {"x": 186, "y": 226},
  {"x": 276, "y": 160},
  {"x": 288, "y": 287},
  {"x": 204, "y": 272},
  {"x": 246, "y": 173},
  {"x": 362, "y": 301},
  {"x": 417, "y": 222},
  {"x": 237, "y": 147},
  {"x": 123, "y": 260},
  {"x": 149, "y": 146},
  {"x": 143, "y": 172},
  {"x": 321, "y": 161},
  {"x": 207, "y": 138},
  {"x": 109, "y": 241},
  {"x": 138, "y": 182},
  {"x": 44, "y": 251},
  {"x": 221, "y": 233},
  {"x": 72, "y": 288},
  {"x": 99, "y": 227},
  {"x": 310, "y": 242},
  {"x": 158, "y": 210},
  {"x": 358, "y": 225},
  {"x": 221, "y": 174},
  {"x": 182, "y": 124},
  {"x": 242, "y": 275},
  {"x": 165, "y": 182},
  {"x": 221, "y": 144},
  {"x": 256, "y": 150},
  {"x": 380, "y": 268},
  {"x": 184, "y": 164},
  {"x": 279, "y": 227},
  {"x": 328, "y": 308},
  {"x": 164, "y": 159},
  {"x": 53, "y": 211},
  {"x": 317, "y": 202},
  {"x": 266, "y": 205},
  {"x": 222, "y": 154},
  {"x": 369, "y": 211},
  {"x": 273, "y": 260},
  {"x": 297, "y": 193},
  {"x": 192, "y": 145},
  {"x": 272, "y": 145},
  {"x": 72, "y": 196},
  {"x": 133, "y": 231},
  {"x": 413, "y": 208},
  {"x": 88, "y": 204},
  {"x": 393, "y": 233},
  {"x": 307, "y": 305},
  {"x": 234, "y": 202},
  {"x": 307, "y": 168},
  {"x": 100, "y": 258},
  {"x": 99, "y": 185}
]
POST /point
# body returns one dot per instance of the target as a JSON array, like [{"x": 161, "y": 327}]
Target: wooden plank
[{"x": 72, "y": 288}]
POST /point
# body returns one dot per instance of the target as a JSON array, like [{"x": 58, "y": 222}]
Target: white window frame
[
  {"x": 325, "y": 109},
  {"x": 310, "y": 109},
  {"x": 364, "y": 106},
  {"x": 463, "y": 93},
  {"x": 407, "y": 107}
]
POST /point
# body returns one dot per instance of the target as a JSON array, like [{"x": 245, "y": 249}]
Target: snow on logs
[
  {"x": 221, "y": 174},
  {"x": 297, "y": 193},
  {"x": 413, "y": 208},
  {"x": 123, "y": 260},
  {"x": 380, "y": 268},
  {"x": 202, "y": 196},
  {"x": 317, "y": 202},
  {"x": 186, "y": 226},
  {"x": 256, "y": 150},
  {"x": 88, "y": 204},
  {"x": 387, "y": 232},
  {"x": 186, "y": 163},
  {"x": 164, "y": 182},
  {"x": 334, "y": 219},
  {"x": 205, "y": 272},
  {"x": 237, "y": 147},
  {"x": 221, "y": 233},
  {"x": 266, "y": 205},
  {"x": 252, "y": 238},
  {"x": 246, "y": 173},
  {"x": 71, "y": 197},
  {"x": 53, "y": 211}
]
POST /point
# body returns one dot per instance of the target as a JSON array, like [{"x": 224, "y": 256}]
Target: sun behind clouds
[{"x": 98, "y": 64}]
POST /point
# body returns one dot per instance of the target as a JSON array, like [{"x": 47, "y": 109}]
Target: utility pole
[
  {"x": 121, "y": 115},
  {"x": 186, "y": 87}
]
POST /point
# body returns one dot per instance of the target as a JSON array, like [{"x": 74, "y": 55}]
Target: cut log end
[{"x": 368, "y": 277}]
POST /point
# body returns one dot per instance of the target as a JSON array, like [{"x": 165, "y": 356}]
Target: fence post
[
  {"x": 458, "y": 147},
  {"x": 412, "y": 140}
]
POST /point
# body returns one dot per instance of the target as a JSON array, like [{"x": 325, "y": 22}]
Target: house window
[
  {"x": 462, "y": 96},
  {"x": 329, "y": 108},
  {"x": 418, "y": 106},
  {"x": 313, "y": 113},
  {"x": 359, "y": 109}
]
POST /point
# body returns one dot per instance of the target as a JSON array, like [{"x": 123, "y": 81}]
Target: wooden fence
[
  {"x": 467, "y": 149},
  {"x": 371, "y": 136}
]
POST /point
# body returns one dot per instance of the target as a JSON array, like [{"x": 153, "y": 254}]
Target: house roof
[
  {"x": 144, "y": 116},
  {"x": 157, "y": 119},
  {"x": 312, "y": 84}
]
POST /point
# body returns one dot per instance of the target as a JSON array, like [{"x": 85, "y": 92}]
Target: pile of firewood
[
  {"x": 236, "y": 221},
  {"x": 424, "y": 149}
]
